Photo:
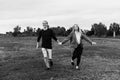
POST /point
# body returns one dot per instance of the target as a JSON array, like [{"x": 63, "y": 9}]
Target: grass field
[{"x": 19, "y": 60}]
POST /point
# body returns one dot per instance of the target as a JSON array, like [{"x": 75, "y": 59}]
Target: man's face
[{"x": 45, "y": 24}]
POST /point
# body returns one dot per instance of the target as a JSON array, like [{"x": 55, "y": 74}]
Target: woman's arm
[
  {"x": 67, "y": 38},
  {"x": 87, "y": 39}
]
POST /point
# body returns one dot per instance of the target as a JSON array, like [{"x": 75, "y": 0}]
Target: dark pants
[{"x": 77, "y": 54}]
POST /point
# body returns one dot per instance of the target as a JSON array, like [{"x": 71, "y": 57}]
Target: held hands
[
  {"x": 60, "y": 43},
  {"x": 93, "y": 43}
]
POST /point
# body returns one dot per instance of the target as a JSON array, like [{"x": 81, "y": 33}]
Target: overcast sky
[{"x": 57, "y": 12}]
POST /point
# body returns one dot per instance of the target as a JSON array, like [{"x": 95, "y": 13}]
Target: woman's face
[{"x": 76, "y": 27}]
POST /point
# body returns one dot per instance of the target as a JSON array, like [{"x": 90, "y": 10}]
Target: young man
[
  {"x": 75, "y": 38},
  {"x": 47, "y": 35}
]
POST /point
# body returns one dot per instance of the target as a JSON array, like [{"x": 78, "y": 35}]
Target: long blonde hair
[{"x": 73, "y": 28}]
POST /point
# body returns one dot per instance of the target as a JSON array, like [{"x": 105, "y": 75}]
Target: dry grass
[{"x": 19, "y": 60}]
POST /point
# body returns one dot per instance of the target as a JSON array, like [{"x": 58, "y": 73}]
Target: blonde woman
[{"x": 76, "y": 37}]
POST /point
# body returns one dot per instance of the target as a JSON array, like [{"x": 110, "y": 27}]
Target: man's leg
[
  {"x": 49, "y": 53},
  {"x": 44, "y": 51},
  {"x": 50, "y": 56}
]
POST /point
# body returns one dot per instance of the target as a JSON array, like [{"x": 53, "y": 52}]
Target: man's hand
[
  {"x": 93, "y": 43},
  {"x": 37, "y": 46}
]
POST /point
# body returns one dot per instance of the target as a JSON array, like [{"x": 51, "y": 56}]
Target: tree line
[
  {"x": 97, "y": 29},
  {"x": 29, "y": 31},
  {"x": 100, "y": 30}
]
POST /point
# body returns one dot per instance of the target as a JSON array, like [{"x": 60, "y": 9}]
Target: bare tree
[{"x": 114, "y": 27}]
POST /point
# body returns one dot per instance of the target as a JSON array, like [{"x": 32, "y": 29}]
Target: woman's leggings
[{"x": 77, "y": 54}]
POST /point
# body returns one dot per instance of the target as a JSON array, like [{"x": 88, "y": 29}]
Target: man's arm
[
  {"x": 54, "y": 36},
  {"x": 38, "y": 39}
]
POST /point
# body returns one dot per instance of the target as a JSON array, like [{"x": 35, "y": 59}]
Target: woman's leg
[
  {"x": 44, "y": 51},
  {"x": 73, "y": 56},
  {"x": 79, "y": 53},
  {"x": 78, "y": 60}
]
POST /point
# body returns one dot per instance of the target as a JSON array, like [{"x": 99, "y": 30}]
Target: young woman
[
  {"x": 75, "y": 38},
  {"x": 47, "y": 35}
]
